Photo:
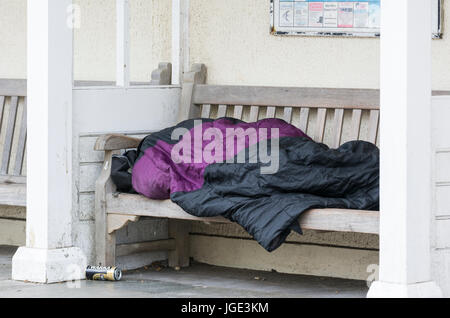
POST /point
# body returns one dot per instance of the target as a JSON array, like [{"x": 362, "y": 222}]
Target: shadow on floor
[{"x": 197, "y": 281}]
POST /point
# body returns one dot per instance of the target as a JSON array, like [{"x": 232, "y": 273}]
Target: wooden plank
[
  {"x": 287, "y": 115},
  {"x": 189, "y": 109},
  {"x": 13, "y": 87},
  {"x": 222, "y": 111},
  {"x": 13, "y": 194},
  {"x": 22, "y": 140},
  {"x": 271, "y": 112},
  {"x": 179, "y": 230},
  {"x": 304, "y": 119},
  {"x": 238, "y": 111},
  {"x": 14, "y": 213},
  {"x": 105, "y": 243},
  {"x": 441, "y": 93},
  {"x": 9, "y": 135},
  {"x": 287, "y": 96},
  {"x": 320, "y": 124},
  {"x": 316, "y": 219},
  {"x": 304, "y": 259},
  {"x": 337, "y": 131},
  {"x": 2, "y": 106},
  {"x": 341, "y": 220},
  {"x": 373, "y": 125},
  {"x": 12, "y": 232},
  {"x": 117, "y": 221},
  {"x": 254, "y": 113},
  {"x": 152, "y": 246},
  {"x": 356, "y": 124},
  {"x": 116, "y": 142},
  {"x": 162, "y": 75},
  {"x": 206, "y": 111},
  {"x": 131, "y": 204},
  {"x": 8, "y": 179}
]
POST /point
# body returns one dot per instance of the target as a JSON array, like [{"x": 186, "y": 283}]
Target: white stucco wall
[
  {"x": 231, "y": 37},
  {"x": 94, "y": 42},
  {"x": 13, "y": 41}
]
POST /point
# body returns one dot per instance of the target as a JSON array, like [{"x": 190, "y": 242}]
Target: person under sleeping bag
[{"x": 262, "y": 175}]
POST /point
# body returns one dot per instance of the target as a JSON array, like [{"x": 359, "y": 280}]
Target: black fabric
[
  {"x": 311, "y": 175},
  {"x": 121, "y": 169}
]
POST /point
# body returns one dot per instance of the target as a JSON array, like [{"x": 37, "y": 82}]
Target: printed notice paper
[{"x": 332, "y": 17}]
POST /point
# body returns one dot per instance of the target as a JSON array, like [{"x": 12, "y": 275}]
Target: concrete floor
[{"x": 197, "y": 281}]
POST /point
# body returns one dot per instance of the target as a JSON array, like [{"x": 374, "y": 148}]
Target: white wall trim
[{"x": 123, "y": 43}]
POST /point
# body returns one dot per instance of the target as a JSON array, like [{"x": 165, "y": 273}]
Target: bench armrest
[{"x": 116, "y": 142}]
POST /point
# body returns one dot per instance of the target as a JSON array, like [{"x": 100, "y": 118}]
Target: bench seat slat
[
  {"x": 9, "y": 135},
  {"x": 206, "y": 111},
  {"x": 271, "y": 112},
  {"x": 337, "y": 132},
  {"x": 22, "y": 140},
  {"x": 317, "y": 219},
  {"x": 254, "y": 113},
  {"x": 2, "y": 105},
  {"x": 304, "y": 119},
  {"x": 373, "y": 125},
  {"x": 12, "y": 194},
  {"x": 287, "y": 116},
  {"x": 320, "y": 124},
  {"x": 238, "y": 110},
  {"x": 222, "y": 112},
  {"x": 356, "y": 124}
]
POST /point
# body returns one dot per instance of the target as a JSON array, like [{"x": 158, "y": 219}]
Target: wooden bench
[
  {"x": 13, "y": 121},
  {"x": 324, "y": 107}
]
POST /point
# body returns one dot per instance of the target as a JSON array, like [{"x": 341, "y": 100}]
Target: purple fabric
[{"x": 156, "y": 175}]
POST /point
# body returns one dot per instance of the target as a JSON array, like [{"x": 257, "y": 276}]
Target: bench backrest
[
  {"x": 13, "y": 130},
  {"x": 329, "y": 115}
]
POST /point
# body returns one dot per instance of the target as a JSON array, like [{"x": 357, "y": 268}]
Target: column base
[
  {"x": 48, "y": 265},
  {"x": 391, "y": 290}
]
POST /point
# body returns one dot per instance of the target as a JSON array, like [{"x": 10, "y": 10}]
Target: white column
[
  {"x": 49, "y": 255},
  {"x": 123, "y": 43},
  {"x": 180, "y": 39},
  {"x": 405, "y": 181}
]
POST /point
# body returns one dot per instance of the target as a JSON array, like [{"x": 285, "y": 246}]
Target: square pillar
[
  {"x": 405, "y": 163},
  {"x": 49, "y": 255}
]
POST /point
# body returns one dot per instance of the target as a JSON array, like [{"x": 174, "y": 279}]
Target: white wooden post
[
  {"x": 123, "y": 43},
  {"x": 49, "y": 255},
  {"x": 180, "y": 39},
  {"x": 405, "y": 181}
]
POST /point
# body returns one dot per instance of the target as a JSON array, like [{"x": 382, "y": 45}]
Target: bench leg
[
  {"x": 179, "y": 230},
  {"x": 105, "y": 248},
  {"x": 110, "y": 249}
]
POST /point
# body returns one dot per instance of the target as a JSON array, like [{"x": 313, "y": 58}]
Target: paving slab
[{"x": 197, "y": 281}]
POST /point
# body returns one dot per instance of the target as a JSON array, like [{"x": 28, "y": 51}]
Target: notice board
[{"x": 334, "y": 18}]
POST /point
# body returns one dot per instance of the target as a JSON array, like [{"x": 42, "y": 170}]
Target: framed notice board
[{"x": 334, "y": 18}]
